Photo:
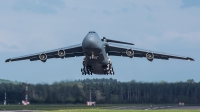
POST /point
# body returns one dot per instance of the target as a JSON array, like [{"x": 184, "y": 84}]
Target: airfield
[{"x": 99, "y": 108}]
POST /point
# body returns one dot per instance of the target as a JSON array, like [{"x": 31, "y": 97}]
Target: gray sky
[{"x": 31, "y": 26}]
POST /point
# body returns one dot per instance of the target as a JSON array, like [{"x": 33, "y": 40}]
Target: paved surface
[
  {"x": 154, "y": 107},
  {"x": 132, "y": 108}
]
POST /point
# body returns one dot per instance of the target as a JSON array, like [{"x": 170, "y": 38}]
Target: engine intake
[
  {"x": 43, "y": 57},
  {"x": 130, "y": 53},
  {"x": 61, "y": 53},
  {"x": 150, "y": 56}
]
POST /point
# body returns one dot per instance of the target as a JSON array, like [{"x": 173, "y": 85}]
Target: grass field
[
  {"x": 43, "y": 107},
  {"x": 81, "y": 108}
]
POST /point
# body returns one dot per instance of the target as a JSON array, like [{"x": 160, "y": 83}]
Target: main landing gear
[
  {"x": 87, "y": 70},
  {"x": 110, "y": 71}
]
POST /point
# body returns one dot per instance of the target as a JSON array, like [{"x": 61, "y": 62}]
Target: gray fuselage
[{"x": 95, "y": 53}]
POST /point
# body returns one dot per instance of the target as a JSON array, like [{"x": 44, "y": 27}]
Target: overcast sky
[{"x": 31, "y": 26}]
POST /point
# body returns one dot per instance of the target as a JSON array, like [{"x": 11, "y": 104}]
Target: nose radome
[{"x": 90, "y": 42}]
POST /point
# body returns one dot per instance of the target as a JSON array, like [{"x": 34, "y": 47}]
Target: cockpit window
[{"x": 92, "y": 32}]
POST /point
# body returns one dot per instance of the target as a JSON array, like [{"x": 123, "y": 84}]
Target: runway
[
  {"x": 122, "y": 107},
  {"x": 169, "y": 107}
]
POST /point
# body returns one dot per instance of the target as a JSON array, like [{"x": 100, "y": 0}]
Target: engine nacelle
[
  {"x": 43, "y": 57},
  {"x": 129, "y": 53},
  {"x": 150, "y": 56},
  {"x": 61, "y": 53}
]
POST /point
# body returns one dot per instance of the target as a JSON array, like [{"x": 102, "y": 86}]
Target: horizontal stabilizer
[{"x": 115, "y": 41}]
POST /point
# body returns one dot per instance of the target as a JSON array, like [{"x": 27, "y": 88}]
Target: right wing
[
  {"x": 116, "y": 50},
  {"x": 71, "y": 51}
]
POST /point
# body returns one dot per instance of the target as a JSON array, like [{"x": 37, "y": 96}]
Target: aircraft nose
[{"x": 90, "y": 42}]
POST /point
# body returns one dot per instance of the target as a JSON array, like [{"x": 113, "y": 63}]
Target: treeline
[{"x": 103, "y": 91}]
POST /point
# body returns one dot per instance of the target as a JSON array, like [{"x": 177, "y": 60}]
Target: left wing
[
  {"x": 116, "y": 50},
  {"x": 65, "y": 52}
]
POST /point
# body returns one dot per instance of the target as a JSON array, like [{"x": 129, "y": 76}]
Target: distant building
[
  {"x": 181, "y": 103},
  {"x": 89, "y": 103},
  {"x": 24, "y": 102}
]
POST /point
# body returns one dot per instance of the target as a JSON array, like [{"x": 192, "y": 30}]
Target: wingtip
[
  {"x": 190, "y": 59},
  {"x": 8, "y": 60}
]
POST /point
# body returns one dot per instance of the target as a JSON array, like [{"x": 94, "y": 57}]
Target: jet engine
[
  {"x": 43, "y": 57},
  {"x": 150, "y": 56},
  {"x": 130, "y": 53},
  {"x": 61, "y": 53}
]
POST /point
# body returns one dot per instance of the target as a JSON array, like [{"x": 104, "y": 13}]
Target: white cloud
[
  {"x": 189, "y": 37},
  {"x": 142, "y": 22},
  {"x": 39, "y": 6},
  {"x": 189, "y": 3},
  {"x": 154, "y": 25}
]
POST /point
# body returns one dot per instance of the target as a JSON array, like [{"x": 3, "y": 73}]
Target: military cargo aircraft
[{"x": 96, "y": 52}]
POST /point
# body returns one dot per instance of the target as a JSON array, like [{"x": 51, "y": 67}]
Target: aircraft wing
[
  {"x": 71, "y": 51},
  {"x": 116, "y": 50}
]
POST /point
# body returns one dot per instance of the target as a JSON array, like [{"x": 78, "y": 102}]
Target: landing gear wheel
[
  {"x": 88, "y": 72},
  {"x": 110, "y": 72}
]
